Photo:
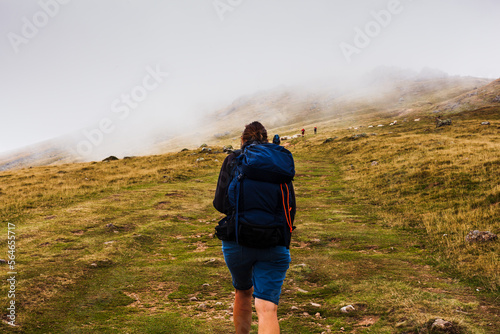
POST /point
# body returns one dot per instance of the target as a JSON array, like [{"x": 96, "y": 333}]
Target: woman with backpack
[{"x": 255, "y": 191}]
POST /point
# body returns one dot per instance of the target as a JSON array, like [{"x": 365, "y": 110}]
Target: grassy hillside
[{"x": 127, "y": 246}]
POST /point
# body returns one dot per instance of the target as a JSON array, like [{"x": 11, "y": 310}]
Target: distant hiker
[
  {"x": 315, "y": 130},
  {"x": 276, "y": 139},
  {"x": 303, "y": 130},
  {"x": 256, "y": 193}
]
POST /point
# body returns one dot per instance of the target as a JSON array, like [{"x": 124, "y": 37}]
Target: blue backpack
[{"x": 260, "y": 198}]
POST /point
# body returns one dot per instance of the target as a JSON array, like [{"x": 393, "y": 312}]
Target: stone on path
[
  {"x": 480, "y": 236},
  {"x": 347, "y": 309}
]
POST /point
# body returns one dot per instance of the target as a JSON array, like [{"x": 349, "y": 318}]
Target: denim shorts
[{"x": 264, "y": 269}]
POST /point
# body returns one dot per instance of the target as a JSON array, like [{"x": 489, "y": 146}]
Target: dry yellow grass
[
  {"x": 53, "y": 186},
  {"x": 444, "y": 181}
]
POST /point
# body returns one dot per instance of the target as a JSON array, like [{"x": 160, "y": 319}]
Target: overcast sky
[{"x": 68, "y": 65}]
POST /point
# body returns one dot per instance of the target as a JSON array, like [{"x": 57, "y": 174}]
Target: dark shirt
[{"x": 220, "y": 202}]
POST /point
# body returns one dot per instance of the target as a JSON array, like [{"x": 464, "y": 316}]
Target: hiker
[
  {"x": 257, "y": 260},
  {"x": 276, "y": 139},
  {"x": 315, "y": 130},
  {"x": 303, "y": 130}
]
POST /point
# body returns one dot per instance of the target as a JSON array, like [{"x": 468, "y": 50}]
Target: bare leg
[
  {"x": 242, "y": 311},
  {"x": 268, "y": 316}
]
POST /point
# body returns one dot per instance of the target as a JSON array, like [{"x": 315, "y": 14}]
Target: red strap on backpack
[{"x": 287, "y": 207}]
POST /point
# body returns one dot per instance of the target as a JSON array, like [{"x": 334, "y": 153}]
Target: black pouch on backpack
[
  {"x": 259, "y": 236},
  {"x": 225, "y": 230}
]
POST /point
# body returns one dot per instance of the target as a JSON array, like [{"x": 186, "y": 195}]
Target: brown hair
[{"x": 254, "y": 132}]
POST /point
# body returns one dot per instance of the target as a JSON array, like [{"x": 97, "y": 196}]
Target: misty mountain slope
[
  {"x": 284, "y": 111},
  {"x": 480, "y": 97},
  {"x": 46, "y": 153},
  {"x": 288, "y": 112}
]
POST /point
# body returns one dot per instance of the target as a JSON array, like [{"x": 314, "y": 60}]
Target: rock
[
  {"x": 318, "y": 315},
  {"x": 203, "y": 145},
  {"x": 441, "y": 324},
  {"x": 109, "y": 242},
  {"x": 496, "y": 99},
  {"x": 193, "y": 299},
  {"x": 480, "y": 236},
  {"x": 453, "y": 106},
  {"x": 329, "y": 140},
  {"x": 347, "y": 309},
  {"x": 218, "y": 304},
  {"x": 442, "y": 122},
  {"x": 361, "y": 135},
  {"x": 219, "y": 135},
  {"x": 93, "y": 264},
  {"x": 227, "y": 149},
  {"x": 374, "y": 163},
  {"x": 110, "y": 158},
  {"x": 302, "y": 290},
  {"x": 124, "y": 158},
  {"x": 2, "y": 261},
  {"x": 184, "y": 150},
  {"x": 206, "y": 150},
  {"x": 206, "y": 284},
  {"x": 200, "y": 159},
  {"x": 315, "y": 304},
  {"x": 485, "y": 123},
  {"x": 110, "y": 225},
  {"x": 294, "y": 308},
  {"x": 416, "y": 120},
  {"x": 306, "y": 314},
  {"x": 202, "y": 306}
]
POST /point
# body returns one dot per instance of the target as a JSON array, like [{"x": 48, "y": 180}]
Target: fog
[{"x": 120, "y": 72}]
